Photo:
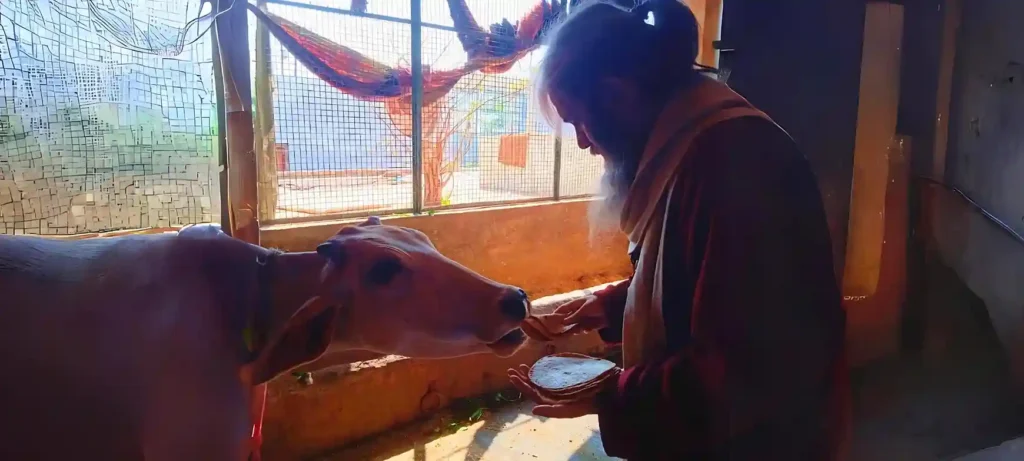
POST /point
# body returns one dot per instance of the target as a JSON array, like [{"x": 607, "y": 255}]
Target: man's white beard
[{"x": 604, "y": 214}]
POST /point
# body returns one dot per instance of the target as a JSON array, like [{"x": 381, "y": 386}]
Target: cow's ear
[
  {"x": 302, "y": 339},
  {"x": 333, "y": 251},
  {"x": 371, "y": 221}
]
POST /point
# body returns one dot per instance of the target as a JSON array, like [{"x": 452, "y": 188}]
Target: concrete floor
[
  {"x": 1009, "y": 451},
  {"x": 509, "y": 433},
  {"x": 956, "y": 398}
]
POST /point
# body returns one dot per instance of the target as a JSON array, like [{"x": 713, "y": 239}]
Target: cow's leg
[
  {"x": 214, "y": 426},
  {"x": 201, "y": 411}
]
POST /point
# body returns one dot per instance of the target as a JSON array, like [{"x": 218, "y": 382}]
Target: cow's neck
[{"x": 296, "y": 279}]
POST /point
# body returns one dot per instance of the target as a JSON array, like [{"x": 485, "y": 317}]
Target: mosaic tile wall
[{"x": 96, "y": 137}]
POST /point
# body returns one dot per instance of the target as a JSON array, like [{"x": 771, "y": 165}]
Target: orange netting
[{"x": 357, "y": 75}]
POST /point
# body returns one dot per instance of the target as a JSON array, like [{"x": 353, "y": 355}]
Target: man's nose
[{"x": 582, "y": 140}]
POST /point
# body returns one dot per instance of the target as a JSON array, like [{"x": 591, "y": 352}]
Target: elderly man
[{"x": 731, "y": 326}]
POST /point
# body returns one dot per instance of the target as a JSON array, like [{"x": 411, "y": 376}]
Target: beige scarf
[{"x": 644, "y": 216}]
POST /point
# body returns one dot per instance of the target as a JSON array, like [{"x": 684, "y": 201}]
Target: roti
[
  {"x": 553, "y": 324},
  {"x": 545, "y": 327},
  {"x": 569, "y": 371},
  {"x": 532, "y": 327}
]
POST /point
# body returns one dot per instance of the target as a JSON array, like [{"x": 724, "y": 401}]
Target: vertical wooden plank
[
  {"x": 711, "y": 26},
  {"x": 232, "y": 35},
  {"x": 709, "y": 22},
  {"x": 266, "y": 152},
  {"x": 876, "y": 127},
  {"x": 873, "y": 311},
  {"x": 222, "y": 149},
  {"x": 232, "y": 38},
  {"x": 947, "y": 59}
]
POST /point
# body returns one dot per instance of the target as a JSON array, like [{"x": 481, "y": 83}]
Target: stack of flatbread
[
  {"x": 569, "y": 376},
  {"x": 545, "y": 327}
]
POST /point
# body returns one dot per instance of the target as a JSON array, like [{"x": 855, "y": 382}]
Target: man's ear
[
  {"x": 615, "y": 94},
  {"x": 302, "y": 339}
]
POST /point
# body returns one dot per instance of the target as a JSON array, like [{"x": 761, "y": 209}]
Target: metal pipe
[
  {"x": 417, "y": 106},
  {"x": 557, "y": 186},
  {"x": 327, "y": 9},
  {"x": 977, "y": 207}
]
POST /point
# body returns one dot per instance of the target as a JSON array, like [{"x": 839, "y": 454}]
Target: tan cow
[{"x": 146, "y": 347}]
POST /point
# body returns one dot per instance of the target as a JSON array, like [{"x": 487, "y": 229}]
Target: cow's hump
[{"x": 205, "y": 230}]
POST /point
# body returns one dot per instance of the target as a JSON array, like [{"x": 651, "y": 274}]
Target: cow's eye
[{"x": 384, "y": 271}]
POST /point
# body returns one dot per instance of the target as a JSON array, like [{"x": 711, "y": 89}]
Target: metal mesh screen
[
  {"x": 94, "y": 136},
  {"x": 335, "y": 153},
  {"x": 108, "y": 119},
  {"x": 493, "y": 144},
  {"x": 485, "y": 142},
  {"x": 581, "y": 171}
]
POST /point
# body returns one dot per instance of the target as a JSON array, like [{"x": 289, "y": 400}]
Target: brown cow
[{"x": 147, "y": 347}]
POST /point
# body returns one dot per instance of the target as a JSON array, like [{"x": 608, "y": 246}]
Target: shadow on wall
[
  {"x": 956, "y": 397},
  {"x": 988, "y": 259},
  {"x": 986, "y": 162}
]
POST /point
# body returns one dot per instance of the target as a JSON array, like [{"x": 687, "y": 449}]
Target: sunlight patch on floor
[{"x": 511, "y": 433}]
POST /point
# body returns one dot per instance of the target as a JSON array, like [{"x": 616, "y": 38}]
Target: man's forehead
[{"x": 563, "y": 106}]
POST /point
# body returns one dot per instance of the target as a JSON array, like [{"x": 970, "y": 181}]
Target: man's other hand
[{"x": 548, "y": 407}]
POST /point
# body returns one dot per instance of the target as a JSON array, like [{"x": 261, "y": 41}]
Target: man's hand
[
  {"x": 547, "y": 407},
  {"x": 587, "y": 313}
]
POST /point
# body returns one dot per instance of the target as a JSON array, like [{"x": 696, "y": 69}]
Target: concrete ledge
[
  {"x": 348, "y": 402},
  {"x": 544, "y": 248}
]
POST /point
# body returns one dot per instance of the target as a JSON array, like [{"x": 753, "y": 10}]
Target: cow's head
[{"x": 387, "y": 289}]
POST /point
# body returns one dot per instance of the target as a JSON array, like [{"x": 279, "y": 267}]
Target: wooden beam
[
  {"x": 265, "y": 136},
  {"x": 232, "y": 35}
]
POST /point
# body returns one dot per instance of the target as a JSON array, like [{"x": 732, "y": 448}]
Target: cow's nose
[{"x": 514, "y": 304}]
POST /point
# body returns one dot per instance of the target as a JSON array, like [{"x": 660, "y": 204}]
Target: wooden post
[
  {"x": 266, "y": 145},
  {"x": 232, "y": 37}
]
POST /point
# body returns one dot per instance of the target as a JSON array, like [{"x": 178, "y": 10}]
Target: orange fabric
[
  {"x": 512, "y": 150},
  {"x": 357, "y": 75}
]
